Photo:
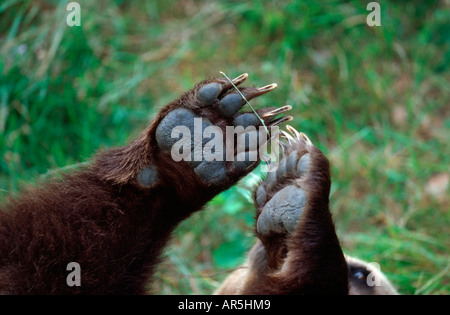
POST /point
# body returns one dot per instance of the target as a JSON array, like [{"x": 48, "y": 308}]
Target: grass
[{"x": 374, "y": 99}]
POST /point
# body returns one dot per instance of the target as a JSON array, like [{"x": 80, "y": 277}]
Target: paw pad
[
  {"x": 230, "y": 104},
  {"x": 282, "y": 212},
  {"x": 148, "y": 176},
  {"x": 179, "y": 131}
]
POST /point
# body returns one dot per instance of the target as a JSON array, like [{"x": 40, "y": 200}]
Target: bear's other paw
[
  {"x": 281, "y": 198},
  {"x": 301, "y": 180}
]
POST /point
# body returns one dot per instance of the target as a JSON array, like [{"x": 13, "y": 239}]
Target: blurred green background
[{"x": 376, "y": 100}]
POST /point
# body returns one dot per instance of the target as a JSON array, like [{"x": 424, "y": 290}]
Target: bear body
[{"x": 114, "y": 216}]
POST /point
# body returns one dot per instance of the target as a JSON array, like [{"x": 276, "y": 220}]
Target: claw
[
  {"x": 294, "y": 132},
  {"x": 268, "y": 88},
  {"x": 251, "y": 93},
  {"x": 238, "y": 80},
  {"x": 230, "y": 83},
  {"x": 277, "y": 111},
  {"x": 283, "y": 147},
  {"x": 305, "y": 138},
  {"x": 287, "y": 136},
  {"x": 280, "y": 120},
  {"x": 295, "y": 135}
]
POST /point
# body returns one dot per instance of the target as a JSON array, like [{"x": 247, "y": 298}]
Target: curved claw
[
  {"x": 287, "y": 136},
  {"x": 277, "y": 111},
  {"x": 293, "y": 131},
  {"x": 280, "y": 120},
  {"x": 238, "y": 80},
  {"x": 229, "y": 83},
  {"x": 251, "y": 93},
  {"x": 283, "y": 147},
  {"x": 306, "y": 139},
  {"x": 274, "y": 112},
  {"x": 295, "y": 135},
  {"x": 268, "y": 87}
]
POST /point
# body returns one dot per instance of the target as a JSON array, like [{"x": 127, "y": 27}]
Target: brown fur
[
  {"x": 100, "y": 217},
  {"x": 300, "y": 263}
]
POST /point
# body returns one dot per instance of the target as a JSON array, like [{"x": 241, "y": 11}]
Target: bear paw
[
  {"x": 301, "y": 177},
  {"x": 194, "y": 128}
]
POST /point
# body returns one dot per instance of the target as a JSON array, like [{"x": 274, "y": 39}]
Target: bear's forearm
[{"x": 115, "y": 234}]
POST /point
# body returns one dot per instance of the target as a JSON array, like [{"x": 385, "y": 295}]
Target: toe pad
[
  {"x": 208, "y": 94},
  {"x": 230, "y": 104}
]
